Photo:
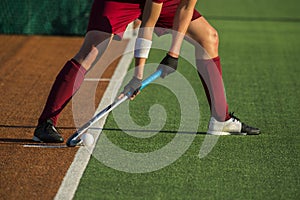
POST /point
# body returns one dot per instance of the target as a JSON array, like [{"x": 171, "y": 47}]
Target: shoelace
[
  {"x": 231, "y": 114},
  {"x": 244, "y": 126},
  {"x": 52, "y": 127}
]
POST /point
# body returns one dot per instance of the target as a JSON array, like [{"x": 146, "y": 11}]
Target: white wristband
[{"x": 142, "y": 48}]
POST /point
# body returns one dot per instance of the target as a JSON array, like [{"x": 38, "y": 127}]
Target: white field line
[
  {"x": 72, "y": 178},
  {"x": 97, "y": 79},
  {"x": 44, "y": 146}
]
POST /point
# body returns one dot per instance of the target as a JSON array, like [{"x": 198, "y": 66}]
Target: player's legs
[
  {"x": 72, "y": 74},
  {"x": 67, "y": 82},
  {"x": 106, "y": 18},
  {"x": 210, "y": 73},
  {"x": 209, "y": 66}
]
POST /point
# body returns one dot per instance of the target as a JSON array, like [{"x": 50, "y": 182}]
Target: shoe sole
[
  {"x": 220, "y": 133},
  {"x": 238, "y": 133},
  {"x": 36, "y": 139}
]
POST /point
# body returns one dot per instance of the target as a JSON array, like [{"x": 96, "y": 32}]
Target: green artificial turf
[{"x": 261, "y": 74}]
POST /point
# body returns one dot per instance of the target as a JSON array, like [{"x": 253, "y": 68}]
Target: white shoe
[
  {"x": 233, "y": 126},
  {"x": 229, "y": 127}
]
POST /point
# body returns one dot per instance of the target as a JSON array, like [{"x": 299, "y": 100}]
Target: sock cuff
[
  {"x": 215, "y": 59},
  {"x": 80, "y": 68}
]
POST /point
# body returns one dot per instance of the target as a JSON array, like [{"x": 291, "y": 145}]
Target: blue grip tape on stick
[{"x": 151, "y": 78}]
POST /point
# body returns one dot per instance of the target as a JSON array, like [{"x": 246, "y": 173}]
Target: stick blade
[{"x": 72, "y": 142}]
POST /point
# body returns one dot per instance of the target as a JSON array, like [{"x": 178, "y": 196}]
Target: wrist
[
  {"x": 173, "y": 55},
  {"x": 142, "y": 48},
  {"x": 137, "y": 78}
]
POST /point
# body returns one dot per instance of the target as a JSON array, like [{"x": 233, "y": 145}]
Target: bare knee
[
  {"x": 207, "y": 46},
  {"x": 215, "y": 38},
  {"x": 90, "y": 58},
  {"x": 211, "y": 44},
  {"x": 86, "y": 57},
  {"x": 95, "y": 43}
]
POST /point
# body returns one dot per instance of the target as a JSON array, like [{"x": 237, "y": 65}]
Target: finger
[
  {"x": 133, "y": 96},
  {"x": 121, "y": 96}
]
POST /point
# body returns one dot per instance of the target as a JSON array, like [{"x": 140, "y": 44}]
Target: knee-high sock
[
  {"x": 210, "y": 73},
  {"x": 66, "y": 84}
]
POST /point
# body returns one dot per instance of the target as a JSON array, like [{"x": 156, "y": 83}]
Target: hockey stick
[{"x": 75, "y": 138}]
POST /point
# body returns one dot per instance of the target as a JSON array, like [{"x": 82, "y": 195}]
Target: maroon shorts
[{"x": 113, "y": 16}]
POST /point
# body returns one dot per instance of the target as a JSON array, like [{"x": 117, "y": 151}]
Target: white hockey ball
[{"x": 87, "y": 139}]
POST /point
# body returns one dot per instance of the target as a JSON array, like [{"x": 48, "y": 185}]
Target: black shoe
[
  {"x": 246, "y": 128},
  {"x": 46, "y": 132}
]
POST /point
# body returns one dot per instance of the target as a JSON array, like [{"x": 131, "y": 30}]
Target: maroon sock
[
  {"x": 210, "y": 73},
  {"x": 66, "y": 84}
]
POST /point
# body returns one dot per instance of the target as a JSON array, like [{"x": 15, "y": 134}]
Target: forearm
[
  {"x": 182, "y": 20},
  {"x": 139, "y": 67},
  {"x": 150, "y": 16}
]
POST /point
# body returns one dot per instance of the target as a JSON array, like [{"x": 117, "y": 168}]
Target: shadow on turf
[
  {"x": 15, "y": 140},
  {"x": 30, "y": 126},
  {"x": 22, "y": 141},
  {"x": 105, "y": 129},
  {"x": 31, "y": 143},
  {"x": 150, "y": 131}
]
